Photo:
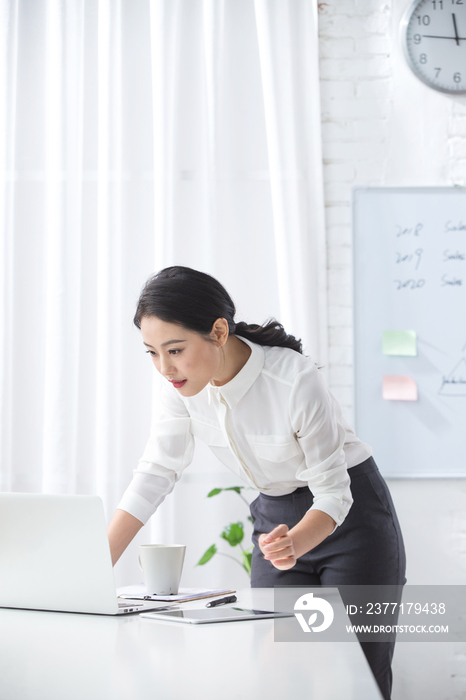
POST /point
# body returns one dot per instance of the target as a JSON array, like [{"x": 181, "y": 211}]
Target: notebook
[{"x": 55, "y": 555}]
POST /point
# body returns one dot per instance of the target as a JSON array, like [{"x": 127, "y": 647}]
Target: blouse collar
[{"x": 234, "y": 390}]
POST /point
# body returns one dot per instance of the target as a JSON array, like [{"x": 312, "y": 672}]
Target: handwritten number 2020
[{"x": 409, "y": 284}]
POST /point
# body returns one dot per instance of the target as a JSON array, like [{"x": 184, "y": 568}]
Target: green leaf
[
  {"x": 237, "y": 489},
  {"x": 233, "y": 534},
  {"x": 251, "y": 519},
  {"x": 214, "y": 492},
  {"x": 247, "y": 558},
  {"x": 207, "y": 556}
]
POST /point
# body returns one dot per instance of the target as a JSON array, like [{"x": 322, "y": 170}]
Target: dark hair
[{"x": 196, "y": 300}]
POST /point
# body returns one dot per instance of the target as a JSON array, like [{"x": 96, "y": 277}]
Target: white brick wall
[
  {"x": 457, "y": 142},
  {"x": 356, "y": 89},
  {"x": 365, "y": 95}
]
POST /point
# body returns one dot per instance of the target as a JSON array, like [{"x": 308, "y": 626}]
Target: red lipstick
[{"x": 178, "y": 385}]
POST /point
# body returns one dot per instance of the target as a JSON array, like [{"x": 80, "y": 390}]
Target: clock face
[{"x": 434, "y": 42}]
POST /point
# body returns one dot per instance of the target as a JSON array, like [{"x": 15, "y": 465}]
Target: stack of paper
[{"x": 139, "y": 592}]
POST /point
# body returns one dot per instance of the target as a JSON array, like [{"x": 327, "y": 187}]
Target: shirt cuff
[
  {"x": 334, "y": 508},
  {"x": 136, "y": 505}
]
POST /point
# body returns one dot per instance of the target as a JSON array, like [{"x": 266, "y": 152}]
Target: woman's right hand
[{"x": 278, "y": 548}]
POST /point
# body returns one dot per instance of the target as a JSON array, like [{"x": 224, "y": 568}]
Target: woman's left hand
[{"x": 278, "y": 548}]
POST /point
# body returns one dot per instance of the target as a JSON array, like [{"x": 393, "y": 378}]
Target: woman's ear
[{"x": 219, "y": 333}]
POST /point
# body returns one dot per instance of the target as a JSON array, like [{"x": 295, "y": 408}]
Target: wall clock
[{"x": 433, "y": 35}]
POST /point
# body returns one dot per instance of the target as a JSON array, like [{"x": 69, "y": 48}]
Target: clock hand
[
  {"x": 456, "y": 30},
  {"x": 453, "y": 38}
]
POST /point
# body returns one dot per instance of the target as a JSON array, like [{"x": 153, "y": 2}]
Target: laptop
[{"x": 55, "y": 555}]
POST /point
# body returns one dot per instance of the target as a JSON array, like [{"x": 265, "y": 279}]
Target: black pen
[{"x": 222, "y": 601}]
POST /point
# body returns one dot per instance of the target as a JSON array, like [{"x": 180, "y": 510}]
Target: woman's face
[{"x": 187, "y": 359}]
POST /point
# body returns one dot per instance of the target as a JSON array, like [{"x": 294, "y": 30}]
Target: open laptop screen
[{"x": 54, "y": 554}]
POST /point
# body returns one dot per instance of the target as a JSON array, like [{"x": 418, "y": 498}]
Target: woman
[{"x": 324, "y": 515}]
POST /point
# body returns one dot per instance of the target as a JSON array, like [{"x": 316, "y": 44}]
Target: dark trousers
[{"x": 366, "y": 549}]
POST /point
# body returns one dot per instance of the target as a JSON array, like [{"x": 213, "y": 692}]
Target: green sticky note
[{"x": 399, "y": 343}]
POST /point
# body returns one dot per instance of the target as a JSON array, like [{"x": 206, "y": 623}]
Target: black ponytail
[
  {"x": 195, "y": 300},
  {"x": 271, "y": 333}
]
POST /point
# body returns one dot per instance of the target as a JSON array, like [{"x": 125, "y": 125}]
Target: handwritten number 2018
[{"x": 409, "y": 284}]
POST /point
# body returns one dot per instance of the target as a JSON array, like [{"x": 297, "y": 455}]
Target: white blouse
[{"x": 275, "y": 424}]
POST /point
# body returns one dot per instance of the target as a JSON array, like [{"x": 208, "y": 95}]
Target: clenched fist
[{"x": 277, "y": 546}]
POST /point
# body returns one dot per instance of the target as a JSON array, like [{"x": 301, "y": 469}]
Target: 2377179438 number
[{"x": 403, "y": 608}]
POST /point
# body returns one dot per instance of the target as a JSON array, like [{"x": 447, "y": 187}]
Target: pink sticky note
[{"x": 398, "y": 387}]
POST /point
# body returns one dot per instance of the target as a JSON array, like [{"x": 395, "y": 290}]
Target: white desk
[{"x": 61, "y": 656}]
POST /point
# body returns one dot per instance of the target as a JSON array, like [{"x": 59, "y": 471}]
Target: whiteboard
[{"x": 409, "y": 273}]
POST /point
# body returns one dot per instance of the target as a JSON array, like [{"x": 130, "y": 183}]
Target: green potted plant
[{"x": 233, "y": 534}]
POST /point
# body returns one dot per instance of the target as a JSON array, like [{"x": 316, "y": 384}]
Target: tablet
[{"x": 220, "y": 614}]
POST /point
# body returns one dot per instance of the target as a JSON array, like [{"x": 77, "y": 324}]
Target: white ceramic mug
[{"x": 161, "y": 565}]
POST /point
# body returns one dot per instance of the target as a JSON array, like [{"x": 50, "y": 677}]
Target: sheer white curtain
[{"x": 134, "y": 135}]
